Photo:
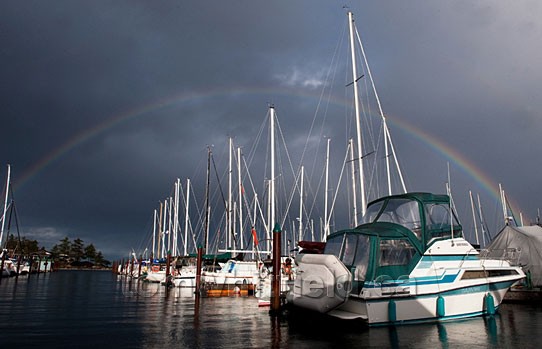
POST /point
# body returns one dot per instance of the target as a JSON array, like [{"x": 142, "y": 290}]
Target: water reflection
[{"x": 81, "y": 309}]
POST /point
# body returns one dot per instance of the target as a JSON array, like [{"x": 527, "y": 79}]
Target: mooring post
[
  {"x": 199, "y": 262},
  {"x": 2, "y": 265},
  {"x": 19, "y": 259},
  {"x": 168, "y": 281},
  {"x": 275, "y": 285},
  {"x": 168, "y": 264},
  {"x": 39, "y": 264},
  {"x": 140, "y": 263},
  {"x": 132, "y": 266}
]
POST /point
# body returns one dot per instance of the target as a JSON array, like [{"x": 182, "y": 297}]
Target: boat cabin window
[
  {"x": 353, "y": 250},
  {"x": 438, "y": 219},
  {"x": 404, "y": 212},
  {"x": 394, "y": 252},
  {"x": 361, "y": 261},
  {"x": 334, "y": 245},
  {"x": 349, "y": 252}
]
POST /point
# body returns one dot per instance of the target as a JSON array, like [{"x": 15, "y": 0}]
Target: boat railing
[
  {"x": 510, "y": 255},
  {"x": 467, "y": 255}
]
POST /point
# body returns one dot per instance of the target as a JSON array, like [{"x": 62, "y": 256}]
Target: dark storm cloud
[{"x": 182, "y": 75}]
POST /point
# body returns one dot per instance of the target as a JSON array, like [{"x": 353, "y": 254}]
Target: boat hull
[
  {"x": 468, "y": 301},
  {"x": 449, "y": 282}
]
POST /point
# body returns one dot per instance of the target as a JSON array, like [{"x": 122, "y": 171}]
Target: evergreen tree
[
  {"x": 28, "y": 246},
  {"x": 11, "y": 242},
  {"x": 65, "y": 246},
  {"x": 77, "y": 252},
  {"x": 99, "y": 259},
  {"x": 22, "y": 246},
  {"x": 90, "y": 252}
]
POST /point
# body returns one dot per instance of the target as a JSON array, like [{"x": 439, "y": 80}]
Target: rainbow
[
  {"x": 437, "y": 145},
  {"x": 458, "y": 159}
]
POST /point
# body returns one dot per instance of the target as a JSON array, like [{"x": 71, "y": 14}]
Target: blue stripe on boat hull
[{"x": 457, "y": 291}]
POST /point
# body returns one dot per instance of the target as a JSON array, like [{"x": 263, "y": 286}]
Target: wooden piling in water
[
  {"x": 140, "y": 263},
  {"x": 198, "y": 270},
  {"x": 168, "y": 263},
  {"x": 2, "y": 265},
  {"x": 275, "y": 285},
  {"x": 30, "y": 264},
  {"x": 132, "y": 266},
  {"x": 18, "y": 266}
]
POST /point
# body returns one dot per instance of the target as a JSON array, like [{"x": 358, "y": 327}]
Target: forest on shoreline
[{"x": 65, "y": 254}]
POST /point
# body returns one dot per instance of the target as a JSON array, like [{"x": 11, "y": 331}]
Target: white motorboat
[{"x": 407, "y": 262}]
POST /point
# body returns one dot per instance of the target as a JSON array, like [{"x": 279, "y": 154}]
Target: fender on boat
[{"x": 322, "y": 282}]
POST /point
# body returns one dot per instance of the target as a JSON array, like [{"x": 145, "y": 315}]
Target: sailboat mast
[
  {"x": 186, "y": 217},
  {"x": 154, "y": 235},
  {"x": 170, "y": 247},
  {"x": 272, "y": 179},
  {"x": 387, "y": 137},
  {"x": 300, "y": 235},
  {"x": 356, "y": 106},
  {"x": 5, "y": 206},
  {"x": 207, "y": 208},
  {"x": 160, "y": 237},
  {"x": 229, "y": 215},
  {"x": 254, "y": 245},
  {"x": 504, "y": 205},
  {"x": 165, "y": 244},
  {"x": 240, "y": 187},
  {"x": 326, "y": 220},
  {"x": 482, "y": 223},
  {"x": 474, "y": 218},
  {"x": 176, "y": 218},
  {"x": 353, "y": 173}
]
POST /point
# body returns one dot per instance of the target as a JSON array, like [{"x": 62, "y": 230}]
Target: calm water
[{"x": 91, "y": 309}]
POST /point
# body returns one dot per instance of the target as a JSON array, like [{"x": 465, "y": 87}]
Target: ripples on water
[{"x": 92, "y": 309}]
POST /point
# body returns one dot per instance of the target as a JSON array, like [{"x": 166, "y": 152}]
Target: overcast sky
[{"x": 103, "y": 104}]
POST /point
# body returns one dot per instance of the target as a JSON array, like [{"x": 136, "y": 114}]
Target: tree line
[
  {"x": 65, "y": 252},
  {"x": 76, "y": 251},
  {"x": 22, "y": 246}
]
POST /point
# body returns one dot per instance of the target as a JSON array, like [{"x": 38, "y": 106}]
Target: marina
[
  {"x": 250, "y": 228},
  {"x": 89, "y": 308}
]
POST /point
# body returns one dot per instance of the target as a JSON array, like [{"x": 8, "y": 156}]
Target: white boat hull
[
  {"x": 460, "y": 303},
  {"x": 450, "y": 282}
]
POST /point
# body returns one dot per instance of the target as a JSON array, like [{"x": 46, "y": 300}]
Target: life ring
[{"x": 155, "y": 268}]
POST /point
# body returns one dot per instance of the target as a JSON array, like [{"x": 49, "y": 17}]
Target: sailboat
[
  {"x": 7, "y": 267},
  {"x": 406, "y": 262}
]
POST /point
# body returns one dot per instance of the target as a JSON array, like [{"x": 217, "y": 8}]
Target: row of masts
[{"x": 234, "y": 209}]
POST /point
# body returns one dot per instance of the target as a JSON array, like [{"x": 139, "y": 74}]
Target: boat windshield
[
  {"x": 438, "y": 218},
  {"x": 372, "y": 212},
  {"x": 400, "y": 211}
]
